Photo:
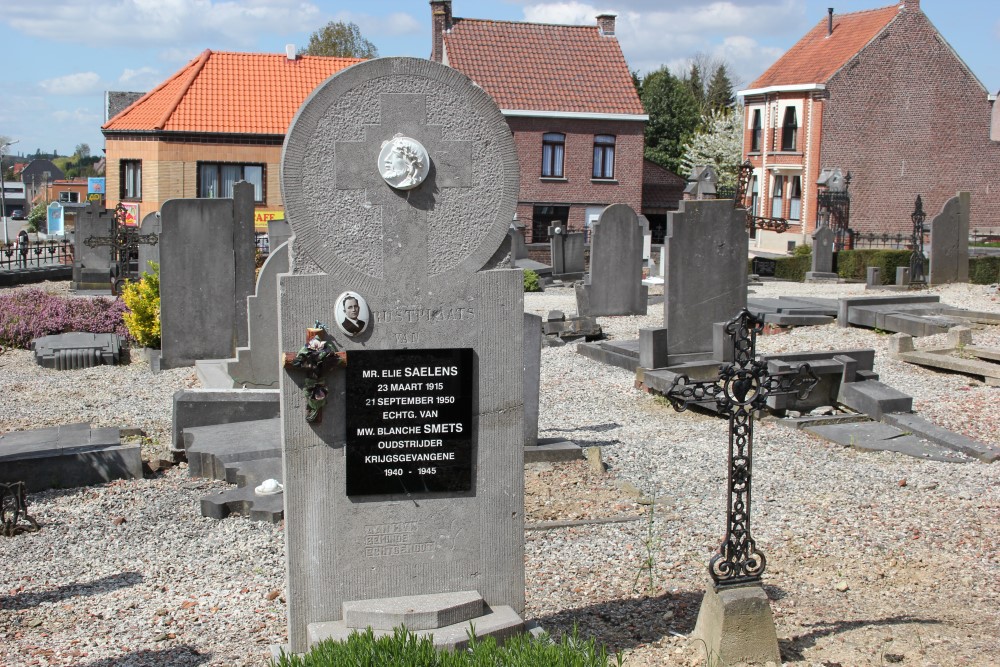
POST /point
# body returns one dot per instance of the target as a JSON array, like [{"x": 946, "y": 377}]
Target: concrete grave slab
[
  {"x": 67, "y": 456},
  {"x": 876, "y": 436}
]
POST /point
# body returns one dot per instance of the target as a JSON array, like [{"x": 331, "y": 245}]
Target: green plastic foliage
[{"x": 143, "y": 301}]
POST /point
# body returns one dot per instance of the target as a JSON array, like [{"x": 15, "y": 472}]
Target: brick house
[
  {"x": 568, "y": 97},
  {"x": 220, "y": 119},
  {"x": 879, "y": 94}
]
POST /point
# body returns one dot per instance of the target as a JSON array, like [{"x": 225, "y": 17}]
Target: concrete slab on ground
[{"x": 876, "y": 436}]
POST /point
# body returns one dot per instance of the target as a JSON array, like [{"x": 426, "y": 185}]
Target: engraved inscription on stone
[
  {"x": 403, "y": 162},
  {"x": 393, "y": 539},
  {"x": 409, "y": 421}
]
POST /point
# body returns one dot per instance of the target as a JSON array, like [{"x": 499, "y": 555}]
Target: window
[
  {"x": 755, "y": 132},
  {"x": 789, "y": 128},
  {"x": 543, "y": 217},
  {"x": 66, "y": 197},
  {"x": 754, "y": 195},
  {"x": 604, "y": 156},
  {"x": 776, "y": 197},
  {"x": 553, "y": 148},
  {"x": 131, "y": 183},
  {"x": 216, "y": 179},
  {"x": 795, "y": 199}
]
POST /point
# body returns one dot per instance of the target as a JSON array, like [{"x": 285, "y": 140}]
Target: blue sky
[{"x": 63, "y": 54}]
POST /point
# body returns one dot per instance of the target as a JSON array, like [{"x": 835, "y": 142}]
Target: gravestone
[
  {"x": 206, "y": 274},
  {"x": 400, "y": 179},
  {"x": 256, "y": 366},
  {"x": 149, "y": 252},
  {"x": 278, "y": 232},
  {"x": 518, "y": 249},
  {"x": 949, "y": 251},
  {"x": 822, "y": 254},
  {"x": 706, "y": 281},
  {"x": 614, "y": 284},
  {"x": 92, "y": 265},
  {"x": 566, "y": 249}
]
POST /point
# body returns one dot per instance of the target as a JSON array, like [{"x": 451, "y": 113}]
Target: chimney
[
  {"x": 290, "y": 51},
  {"x": 606, "y": 25},
  {"x": 829, "y": 21},
  {"x": 440, "y": 23},
  {"x": 910, "y": 4}
]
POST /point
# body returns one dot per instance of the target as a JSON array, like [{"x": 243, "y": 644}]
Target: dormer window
[{"x": 789, "y": 130}]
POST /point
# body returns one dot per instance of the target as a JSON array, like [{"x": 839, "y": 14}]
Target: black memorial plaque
[{"x": 409, "y": 421}]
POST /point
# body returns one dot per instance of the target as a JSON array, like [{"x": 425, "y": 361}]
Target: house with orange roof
[
  {"x": 220, "y": 119},
  {"x": 881, "y": 95},
  {"x": 568, "y": 96}
]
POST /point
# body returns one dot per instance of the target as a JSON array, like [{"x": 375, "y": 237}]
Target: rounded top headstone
[{"x": 399, "y": 171}]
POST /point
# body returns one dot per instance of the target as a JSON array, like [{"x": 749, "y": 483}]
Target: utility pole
[{"x": 3, "y": 198}]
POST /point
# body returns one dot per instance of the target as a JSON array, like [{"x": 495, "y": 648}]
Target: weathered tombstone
[
  {"x": 400, "y": 179},
  {"x": 949, "y": 251},
  {"x": 614, "y": 284},
  {"x": 873, "y": 276},
  {"x": 902, "y": 276},
  {"x": 518, "y": 249},
  {"x": 256, "y": 366},
  {"x": 822, "y": 254},
  {"x": 149, "y": 252},
  {"x": 206, "y": 275},
  {"x": 92, "y": 263},
  {"x": 278, "y": 232},
  {"x": 706, "y": 281},
  {"x": 566, "y": 249},
  {"x": 701, "y": 183}
]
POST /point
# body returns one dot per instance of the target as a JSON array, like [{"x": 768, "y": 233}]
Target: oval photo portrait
[{"x": 352, "y": 314}]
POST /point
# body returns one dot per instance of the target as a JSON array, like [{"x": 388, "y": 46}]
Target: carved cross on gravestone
[
  {"x": 741, "y": 389},
  {"x": 359, "y": 163}
]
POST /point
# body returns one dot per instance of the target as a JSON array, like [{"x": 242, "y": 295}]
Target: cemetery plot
[{"x": 409, "y": 421}]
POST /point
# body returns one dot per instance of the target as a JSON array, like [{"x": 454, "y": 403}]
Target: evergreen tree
[
  {"x": 696, "y": 85},
  {"x": 673, "y": 117},
  {"x": 720, "y": 94}
]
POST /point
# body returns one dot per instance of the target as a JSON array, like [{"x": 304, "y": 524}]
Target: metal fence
[
  {"x": 36, "y": 254},
  {"x": 897, "y": 241}
]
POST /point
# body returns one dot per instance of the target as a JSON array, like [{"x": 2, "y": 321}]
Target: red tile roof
[
  {"x": 230, "y": 93},
  {"x": 817, "y": 57},
  {"x": 540, "y": 67}
]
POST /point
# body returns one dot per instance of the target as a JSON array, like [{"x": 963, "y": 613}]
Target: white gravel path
[{"x": 129, "y": 573}]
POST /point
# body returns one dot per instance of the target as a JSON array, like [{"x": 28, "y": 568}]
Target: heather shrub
[
  {"x": 143, "y": 301},
  {"x": 26, "y": 314}
]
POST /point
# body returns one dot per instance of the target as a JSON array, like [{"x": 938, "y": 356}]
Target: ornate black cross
[
  {"x": 13, "y": 508},
  {"x": 741, "y": 389},
  {"x": 918, "y": 216},
  {"x": 123, "y": 241}
]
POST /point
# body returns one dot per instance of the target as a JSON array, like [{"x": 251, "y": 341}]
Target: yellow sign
[
  {"x": 95, "y": 196},
  {"x": 261, "y": 218}
]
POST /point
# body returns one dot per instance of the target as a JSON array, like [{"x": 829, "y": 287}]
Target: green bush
[
  {"x": 404, "y": 649},
  {"x": 143, "y": 301},
  {"x": 853, "y": 264},
  {"x": 802, "y": 251},
  {"x": 984, "y": 270},
  {"x": 531, "y": 281},
  {"x": 793, "y": 268}
]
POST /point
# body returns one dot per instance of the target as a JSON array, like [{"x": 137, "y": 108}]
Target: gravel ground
[{"x": 873, "y": 558}]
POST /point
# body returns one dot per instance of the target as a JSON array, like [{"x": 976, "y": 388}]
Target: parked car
[{"x": 18, "y": 214}]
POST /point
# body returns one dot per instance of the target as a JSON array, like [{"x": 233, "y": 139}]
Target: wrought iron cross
[
  {"x": 122, "y": 241},
  {"x": 918, "y": 216},
  {"x": 741, "y": 389}
]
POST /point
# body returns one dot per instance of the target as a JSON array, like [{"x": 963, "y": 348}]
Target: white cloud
[
  {"x": 82, "y": 83},
  {"x": 143, "y": 78},
  {"x": 393, "y": 25},
  {"x": 221, "y": 23},
  {"x": 83, "y": 117}
]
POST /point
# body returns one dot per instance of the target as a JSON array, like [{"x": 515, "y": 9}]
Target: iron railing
[{"x": 35, "y": 254}]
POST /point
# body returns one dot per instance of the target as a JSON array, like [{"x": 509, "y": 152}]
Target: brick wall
[
  {"x": 906, "y": 117},
  {"x": 577, "y": 189},
  {"x": 170, "y": 168}
]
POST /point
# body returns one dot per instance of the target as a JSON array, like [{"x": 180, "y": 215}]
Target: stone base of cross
[{"x": 735, "y": 620}]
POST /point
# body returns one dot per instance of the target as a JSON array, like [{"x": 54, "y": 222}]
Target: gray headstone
[
  {"x": 822, "y": 249},
  {"x": 614, "y": 284},
  {"x": 206, "y": 274},
  {"x": 518, "y": 249},
  {"x": 873, "y": 276},
  {"x": 532, "y": 376},
  {"x": 425, "y": 261},
  {"x": 256, "y": 366},
  {"x": 92, "y": 265},
  {"x": 705, "y": 276},
  {"x": 949, "y": 247},
  {"x": 278, "y": 232},
  {"x": 566, "y": 249},
  {"x": 149, "y": 252}
]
